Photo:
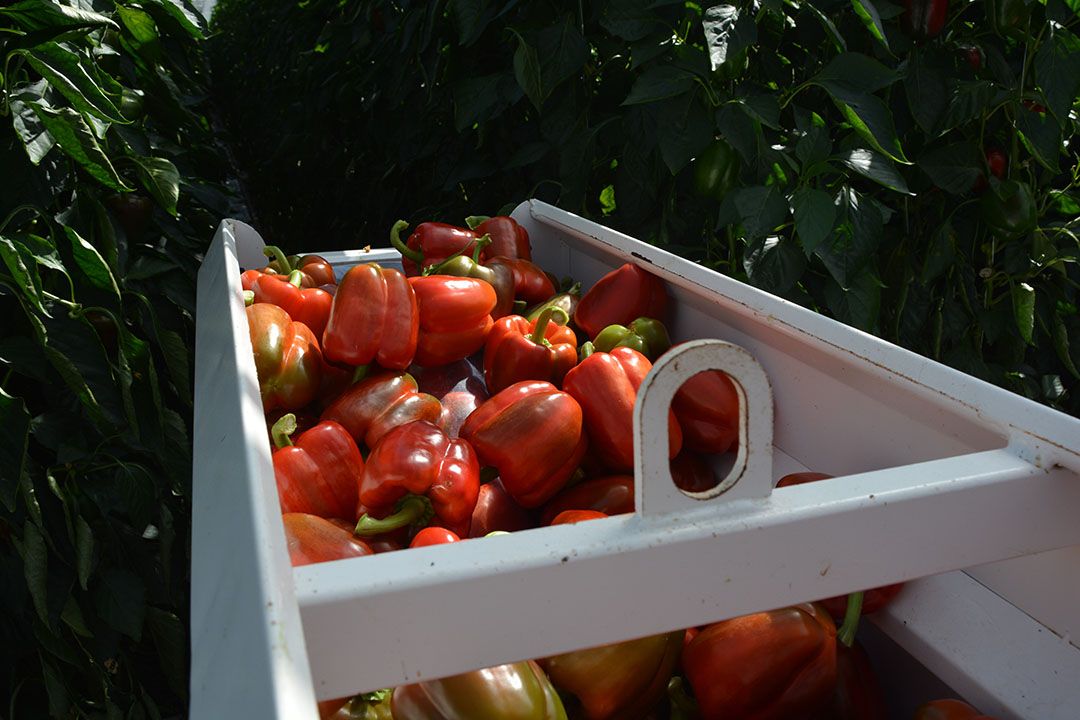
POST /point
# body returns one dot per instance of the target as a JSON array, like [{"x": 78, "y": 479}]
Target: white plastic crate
[{"x": 937, "y": 471}]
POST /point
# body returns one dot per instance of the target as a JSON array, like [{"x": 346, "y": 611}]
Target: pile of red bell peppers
[{"x": 474, "y": 393}]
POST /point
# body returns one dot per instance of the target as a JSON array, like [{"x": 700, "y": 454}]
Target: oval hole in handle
[{"x": 751, "y": 476}]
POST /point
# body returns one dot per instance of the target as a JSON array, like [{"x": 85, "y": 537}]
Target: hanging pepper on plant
[
  {"x": 923, "y": 20},
  {"x": 417, "y": 475}
]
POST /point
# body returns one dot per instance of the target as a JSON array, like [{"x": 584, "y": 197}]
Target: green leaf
[
  {"x": 728, "y": 32},
  {"x": 559, "y": 53},
  {"x": 84, "y": 550},
  {"x": 871, "y": 19},
  {"x": 120, "y": 600},
  {"x": 1060, "y": 334},
  {"x": 854, "y": 240},
  {"x": 170, "y": 641},
  {"x": 774, "y": 264},
  {"x": 954, "y": 168},
  {"x": 872, "y": 120},
  {"x": 858, "y": 305},
  {"x": 853, "y": 74},
  {"x": 813, "y": 147},
  {"x": 36, "y": 139},
  {"x": 760, "y": 209},
  {"x": 190, "y": 19},
  {"x": 35, "y": 557},
  {"x": 926, "y": 88},
  {"x": 142, "y": 29},
  {"x": 161, "y": 179},
  {"x": 659, "y": 82},
  {"x": 91, "y": 263},
  {"x": 25, "y": 277},
  {"x": 684, "y": 130},
  {"x": 815, "y": 214},
  {"x": 63, "y": 68},
  {"x": 55, "y": 689},
  {"x": 630, "y": 20},
  {"x": 15, "y": 419},
  {"x": 1041, "y": 136},
  {"x": 830, "y": 29},
  {"x": 72, "y": 616},
  {"x": 1023, "y": 300},
  {"x": 74, "y": 137},
  {"x": 876, "y": 167},
  {"x": 1057, "y": 70},
  {"x": 527, "y": 72},
  {"x": 940, "y": 254},
  {"x": 37, "y": 15},
  {"x": 967, "y": 102},
  {"x": 478, "y": 99},
  {"x": 471, "y": 18}
]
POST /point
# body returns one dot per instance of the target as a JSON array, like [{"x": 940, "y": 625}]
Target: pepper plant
[
  {"x": 110, "y": 189},
  {"x": 908, "y": 169}
]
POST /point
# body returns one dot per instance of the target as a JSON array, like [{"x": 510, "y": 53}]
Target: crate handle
[{"x": 751, "y": 477}]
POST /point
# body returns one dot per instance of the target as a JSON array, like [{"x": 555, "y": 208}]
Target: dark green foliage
[
  {"x": 111, "y": 188},
  {"x": 862, "y": 152}
]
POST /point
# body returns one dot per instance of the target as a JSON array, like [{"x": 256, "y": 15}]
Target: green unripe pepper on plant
[
  {"x": 716, "y": 170},
  {"x": 1009, "y": 209}
]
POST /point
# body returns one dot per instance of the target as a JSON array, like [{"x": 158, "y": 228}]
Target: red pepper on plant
[
  {"x": 416, "y": 475},
  {"x": 517, "y": 350},
  {"x": 310, "y": 306},
  {"x": 606, "y": 385},
  {"x": 319, "y": 473},
  {"x": 533, "y": 434},
  {"x": 924, "y": 19},
  {"x": 377, "y": 404},
  {"x": 374, "y": 316},
  {"x": 430, "y": 244},
  {"x": 288, "y": 361},
  {"x": 623, "y": 294},
  {"x": 774, "y": 665},
  {"x": 455, "y": 317},
  {"x": 312, "y": 539},
  {"x": 609, "y": 494}
]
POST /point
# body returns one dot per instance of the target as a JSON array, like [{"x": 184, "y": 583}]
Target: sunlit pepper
[
  {"x": 288, "y": 361},
  {"x": 496, "y": 510},
  {"x": 312, "y": 539},
  {"x": 378, "y": 404},
  {"x": 623, "y": 294},
  {"x": 310, "y": 306},
  {"x": 314, "y": 270},
  {"x": 320, "y": 472},
  {"x": 374, "y": 316},
  {"x": 609, "y": 494},
  {"x": 531, "y": 283},
  {"x": 430, "y": 244},
  {"x": 432, "y": 535},
  {"x": 649, "y": 337},
  {"x": 508, "y": 238},
  {"x": 455, "y": 317},
  {"x": 606, "y": 385},
  {"x": 417, "y": 475},
  {"x": 533, "y": 434},
  {"x": 517, "y": 691},
  {"x": 517, "y": 350}
]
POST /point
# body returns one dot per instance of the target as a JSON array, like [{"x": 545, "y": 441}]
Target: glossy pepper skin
[
  {"x": 417, "y": 475},
  {"x": 716, "y": 170},
  {"x": 431, "y": 243},
  {"x": 508, "y": 238},
  {"x": 499, "y": 276},
  {"x": 310, "y": 306},
  {"x": 496, "y": 510},
  {"x": 857, "y": 694},
  {"x": 432, "y": 535},
  {"x": 319, "y": 473},
  {"x": 455, "y": 317},
  {"x": 605, "y": 385},
  {"x": 707, "y": 407},
  {"x": 649, "y": 337},
  {"x": 531, "y": 283},
  {"x": 315, "y": 270},
  {"x": 312, "y": 539},
  {"x": 609, "y": 494},
  {"x": 288, "y": 360},
  {"x": 374, "y": 316},
  {"x": 517, "y": 350},
  {"x": 569, "y": 517},
  {"x": 691, "y": 472},
  {"x": 774, "y": 665},
  {"x": 533, "y": 434},
  {"x": 1009, "y": 209},
  {"x": 924, "y": 19},
  {"x": 948, "y": 709},
  {"x": 376, "y": 405},
  {"x": 617, "y": 682},
  {"x": 623, "y": 294},
  {"x": 517, "y": 691},
  {"x": 565, "y": 301}
]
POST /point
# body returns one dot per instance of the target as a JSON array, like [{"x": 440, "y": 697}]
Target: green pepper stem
[
  {"x": 575, "y": 290},
  {"x": 541, "y": 326},
  {"x": 474, "y": 221},
  {"x": 249, "y": 298},
  {"x": 846, "y": 633},
  {"x": 296, "y": 278},
  {"x": 411, "y": 510},
  {"x": 359, "y": 374},
  {"x": 683, "y": 707},
  {"x": 481, "y": 242},
  {"x": 395, "y": 239},
  {"x": 274, "y": 252},
  {"x": 586, "y": 350},
  {"x": 282, "y": 429}
]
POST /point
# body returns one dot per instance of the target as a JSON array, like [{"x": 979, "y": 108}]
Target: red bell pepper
[
  {"x": 518, "y": 691},
  {"x": 569, "y": 517},
  {"x": 431, "y": 243},
  {"x": 619, "y": 297},
  {"x": 948, "y": 709},
  {"x": 320, "y": 472},
  {"x": 531, "y": 283},
  {"x": 533, "y": 434},
  {"x": 288, "y": 361},
  {"x": 924, "y": 19},
  {"x": 857, "y": 694},
  {"x": 609, "y": 494},
  {"x": 310, "y": 306},
  {"x": 508, "y": 238},
  {"x": 417, "y": 474},
  {"x": 500, "y": 277},
  {"x": 775, "y": 665},
  {"x": 432, "y": 535},
  {"x": 378, "y": 404},
  {"x": 517, "y": 350},
  {"x": 374, "y": 316},
  {"x": 691, "y": 472},
  {"x": 606, "y": 384},
  {"x": 496, "y": 510},
  {"x": 312, "y": 539},
  {"x": 455, "y": 317},
  {"x": 707, "y": 407},
  {"x": 315, "y": 271},
  {"x": 619, "y": 681},
  {"x": 873, "y": 599}
]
